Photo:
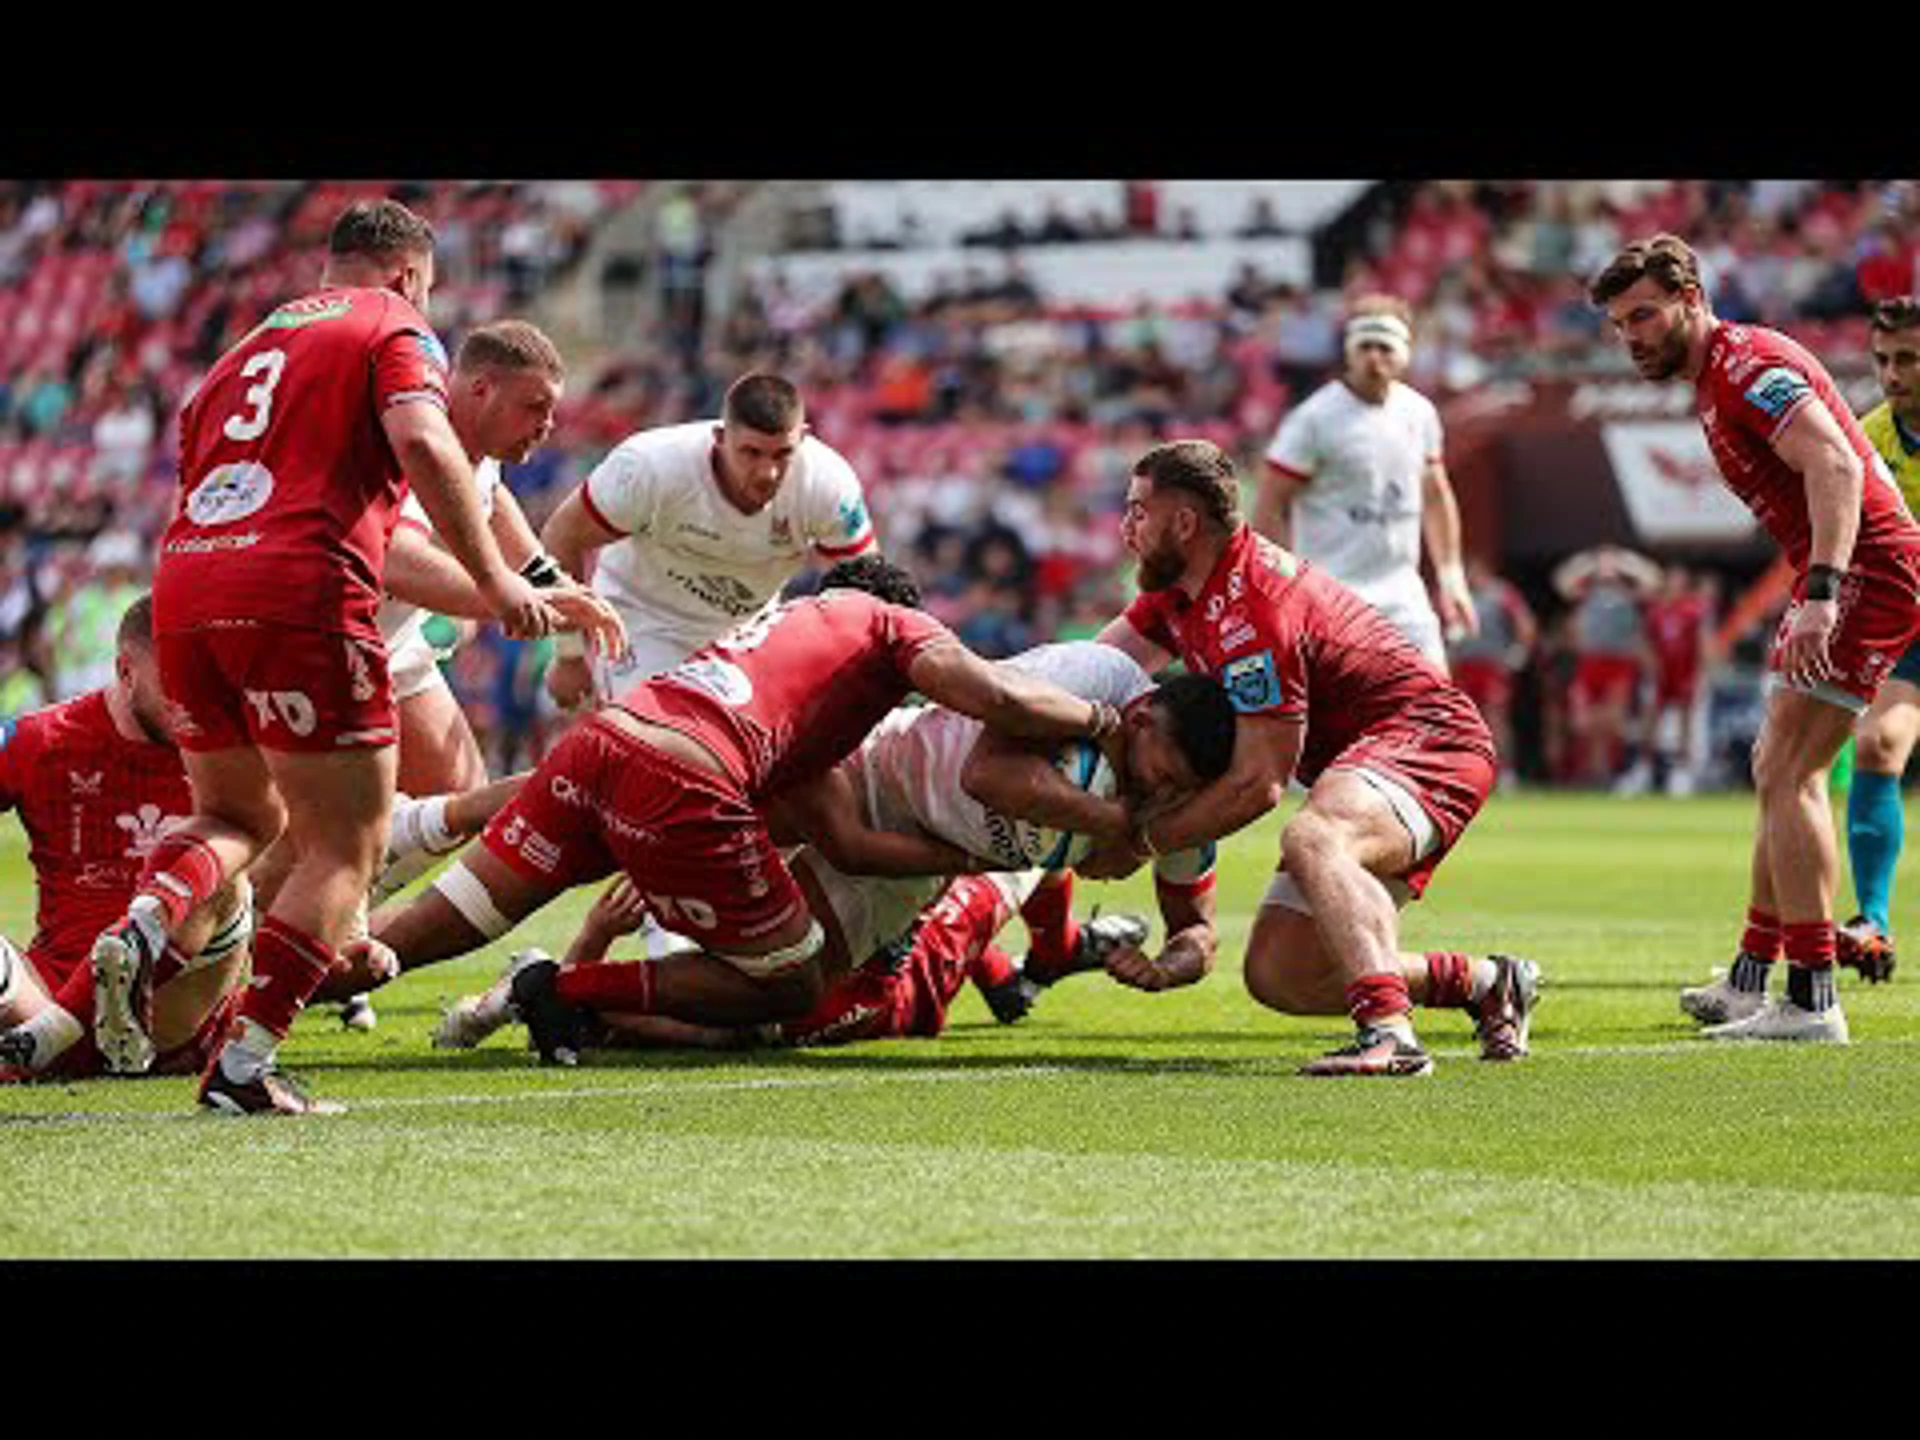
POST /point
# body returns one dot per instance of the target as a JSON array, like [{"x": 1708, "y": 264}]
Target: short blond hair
[{"x": 510, "y": 345}]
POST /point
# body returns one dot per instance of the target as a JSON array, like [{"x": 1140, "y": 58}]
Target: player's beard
[
  {"x": 1667, "y": 359},
  {"x": 1160, "y": 568}
]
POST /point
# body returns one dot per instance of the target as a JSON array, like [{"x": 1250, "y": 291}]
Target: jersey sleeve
[
  {"x": 1765, "y": 401},
  {"x": 1433, "y": 433},
  {"x": 1269, "y": 677},
  {"x": 1295, "y": 448},
  {"x": 409, "y": 365},
  {"x": 837, "y": 520},
  {"x": 910, "y": 631},
  {"x": 620, "y": 492}
]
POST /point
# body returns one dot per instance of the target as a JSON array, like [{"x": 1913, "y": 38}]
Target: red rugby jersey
[
  {"x": 94, "y": 804},
  {"x": 289, "y": 490},
  {"x": 1754, "y": 381},
  {"x": 788, "y": 696},
  {"x": 1288, "y": 640}
]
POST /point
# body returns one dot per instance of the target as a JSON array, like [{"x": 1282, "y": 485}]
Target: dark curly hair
[{"x": 878, "y": 576}]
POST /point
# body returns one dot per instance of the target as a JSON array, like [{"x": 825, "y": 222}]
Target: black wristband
[
  {"x": 542, "y": 572},
  {"x": 1823, "y": 582}
]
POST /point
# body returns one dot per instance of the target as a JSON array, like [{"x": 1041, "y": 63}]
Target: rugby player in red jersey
[
  {"x": 1397, "y": 759},
  {"x": 666, "y": 783},
  {"x": 97, "y": 781},
  {"x": 296, "y": 452},
  {"x": 1788, "y": 445}
]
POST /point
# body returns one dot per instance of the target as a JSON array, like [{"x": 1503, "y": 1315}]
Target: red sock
[
  {"x": 181, "y": 872},
  {"x": 621, "y": 985},
  {"x": 1373, "y": 998},
  {"x": 1449, "y": 980},
  {"x": 1053, "y": 930},
  {"x": 1810, "y": 943},
  {"x": 288, "y": 966},
  {"x": 1762, "y": 937},
  {"x": 992, "y": 966}
]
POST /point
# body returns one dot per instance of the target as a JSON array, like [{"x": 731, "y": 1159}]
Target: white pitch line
[{"x": 1143, "y": 1068}]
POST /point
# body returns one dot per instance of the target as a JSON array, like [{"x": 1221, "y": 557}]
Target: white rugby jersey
[
  {"x": 399, "y": 620},
  {"x": 1358, "y": 514},
  {"x": 910, "y": 764},
  {"x": 693, "y": 566}
]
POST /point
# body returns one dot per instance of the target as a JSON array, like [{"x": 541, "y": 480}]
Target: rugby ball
[{"x": 1049, "y": 847}]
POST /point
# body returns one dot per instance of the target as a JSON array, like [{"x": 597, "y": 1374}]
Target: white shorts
[
  {"x": 413, "y": 667},
  {"x": 1419, "y": 827},
  {"x": 871, "y": 910}
]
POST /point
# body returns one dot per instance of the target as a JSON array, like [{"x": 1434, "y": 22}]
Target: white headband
[{"x": 1388, "y": 330}]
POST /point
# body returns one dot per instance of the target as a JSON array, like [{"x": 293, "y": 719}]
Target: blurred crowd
[{"x": 993, "y": 424}]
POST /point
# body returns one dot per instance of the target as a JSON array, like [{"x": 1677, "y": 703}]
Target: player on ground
[
  {"x": 1885, "y": 735},
  {"x": 295, "y": 454},
  {"x": 688, "y": 530},
  {"x": 1397, "y": 759},
  {"x": 97, "y": 781},
  {"x": 904, "y": 990},
  {"x": 928, "y": 770},
  {"x": 1786, "y": 444},
  {"x": 665, "y": 784},
  {"x": 1356, "y": 476}
]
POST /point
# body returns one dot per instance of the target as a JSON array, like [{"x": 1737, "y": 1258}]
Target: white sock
[
  {"x": 149, "y": 917},
  {"x": 54, "y": 1031},
  {"x": 248, "y": 1053},
  {"x": 1401, "y": 1025}
]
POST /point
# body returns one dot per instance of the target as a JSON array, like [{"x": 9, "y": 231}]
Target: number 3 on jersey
[{"x": 253, "y": 424}]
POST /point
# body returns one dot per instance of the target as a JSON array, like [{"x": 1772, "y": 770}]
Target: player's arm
[
  {"x": 573, "y": 533},
  {"x": 1018, "y": 779},
  {"x": 947, "y": 673},
  {"x": 1815, "y": 446},
  {"x": 421, "y": 573},
  {"x": 1266, "y": 748},
  {"x": 1186, "y": 913},
  {"x": 1273, "y": 502},
  {"x": 1120, "y": 634},
  {"x": 1440, "y": 525},
  {"x": 827, "y": 813},
  {"x": 437, "y": 469}
]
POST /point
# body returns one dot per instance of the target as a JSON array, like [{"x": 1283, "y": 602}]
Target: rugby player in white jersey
[
  {"x": 927, "y": 770},
  {"x": 688, "y": 530},
  {"x": 1355, "y": 478}
]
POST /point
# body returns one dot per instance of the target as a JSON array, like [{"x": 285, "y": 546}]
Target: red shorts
[
  {"x": 1676, "y": 684},
  {"x": 1450, "y": 781},
  {"x": 690, "y": 839},
  {"x": 1488, "y": 683},
  {"x": 271, "y": 687},
  {"x": 1879, "y": 619},
  {"x": 873, "y": 1003},
  {"x": 1604, "y": 680}
]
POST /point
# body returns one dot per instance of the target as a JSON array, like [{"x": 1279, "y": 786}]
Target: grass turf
[{"x": 1108, "y": 1124}]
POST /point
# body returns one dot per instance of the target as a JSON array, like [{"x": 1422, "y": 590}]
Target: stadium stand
[{"x": 990, "y": 354}]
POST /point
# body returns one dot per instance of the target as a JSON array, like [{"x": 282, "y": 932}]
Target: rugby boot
[
  {"x": 1504, "y": 1015},
  {"x": 1374, "y": 1051}
]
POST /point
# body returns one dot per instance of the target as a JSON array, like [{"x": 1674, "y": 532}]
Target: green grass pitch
[{"x": 1108, "y": 1124}]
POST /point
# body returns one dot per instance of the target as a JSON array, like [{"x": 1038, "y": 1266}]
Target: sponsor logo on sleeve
[
  {"x": 853, "y": 517},
  {"x": 435, "y": 352},
  {"x": 1777, "y": 391},
  {"x": 1252, "y": 682}
]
